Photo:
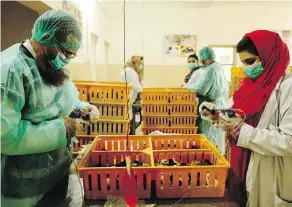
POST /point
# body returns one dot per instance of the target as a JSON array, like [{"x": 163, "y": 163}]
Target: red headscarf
[{"x": 252, "y": 96}]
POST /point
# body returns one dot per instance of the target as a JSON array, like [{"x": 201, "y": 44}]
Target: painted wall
[
  {"x": 223, "y": 23},
  {"x": 215, "y": 23},
  {"x": 89, "y": 64}
]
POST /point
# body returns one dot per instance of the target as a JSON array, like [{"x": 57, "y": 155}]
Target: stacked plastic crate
[
  {"x": 237, "y": 75},
  {"x": 111, "y": 101},
  {"x": 169, "y": 110},
  {"x": 103, "y": 166},
  {"x": 200, "y": 169}
]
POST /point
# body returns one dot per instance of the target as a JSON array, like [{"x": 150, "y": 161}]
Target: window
[{"x": 225, "y": 55}]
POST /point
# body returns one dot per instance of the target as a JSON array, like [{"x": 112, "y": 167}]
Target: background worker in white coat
[
  {"x": 134, "y": 65},
  {"x": 133, "y": 74},
  {"x": 212, "y": 86},
  {"x": 261, "y": 145},
  {"x": 36, "y": 94},
  {"x": 195, "y": 70}
]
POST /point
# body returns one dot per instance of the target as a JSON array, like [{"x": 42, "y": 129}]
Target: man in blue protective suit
[
  {"x": 36, "y": 97},
  {"x": 211, "y": 87}
]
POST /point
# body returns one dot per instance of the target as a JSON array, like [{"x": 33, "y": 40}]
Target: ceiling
[{"x": 38, "y": 6}]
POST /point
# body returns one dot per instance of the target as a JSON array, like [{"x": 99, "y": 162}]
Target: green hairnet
[
  {"x": 207, "y": 53},
  {"x": 57, "y": 29}
]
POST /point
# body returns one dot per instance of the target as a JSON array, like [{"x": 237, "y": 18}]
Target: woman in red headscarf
[{"x": 261, "y": 145}]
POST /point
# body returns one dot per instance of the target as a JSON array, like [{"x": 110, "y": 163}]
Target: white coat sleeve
[
  {"x": 274, "y": 141},
  {"x": 133, "y": 80},
  {"x": 193, "y": 79},
  {"x": 229, "y": 103}
]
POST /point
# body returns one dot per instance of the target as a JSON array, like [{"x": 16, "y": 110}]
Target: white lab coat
[
  {"x": 194, "y": 78},
  {"x": 136, "y": 87},
  {"x": 133, "y": 79},
  {"x": 269, "y": 175}
]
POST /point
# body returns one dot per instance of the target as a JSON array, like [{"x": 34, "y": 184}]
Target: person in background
[
  {"x": 212, "y": 86},
  {"x": 36, "y": 99},
  {"x": 195, "y": 70},
  {"x": 133, "y": 74},
  {"x": 261, "y": 144}
]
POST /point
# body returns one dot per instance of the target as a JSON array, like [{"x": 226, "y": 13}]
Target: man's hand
[
  {"x": 71, "y": 126},
  {"x": 93, "y": 113}
]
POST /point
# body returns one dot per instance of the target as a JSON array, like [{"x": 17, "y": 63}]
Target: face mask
[
  {"x": 49, "y": 74},
  {"x": 192, "y": 66},
  {"x": 254, "y": 71},
  {"x": 140, "y": 67},
  {"x": 59, "y": 62}
]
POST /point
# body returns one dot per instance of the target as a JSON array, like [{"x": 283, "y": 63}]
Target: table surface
[{"x": 74, "y": 199}]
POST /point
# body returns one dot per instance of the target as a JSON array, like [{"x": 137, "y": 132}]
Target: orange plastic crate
[
  {"x": 82, "y": 140},
  {"x": 190, "y": 181},
  {"x": 156, "y": 121},
  {"x": 171, "y": 130},
  {"x": 154, "y": 96},
  {"x": 237, "y": 72},
  {"x": 169, "y": 109},
  {"x": 102, "y": 92},
  {"x": 104, "y": 127},
  {"x": 169, "y": 121},
  {"x": 183, "y": 109},
  {"x": 112, "y": 111},
  {"x": 180, "y": 142},
  {"x": 155, "y": 110},
  {"x": 108, "y": 127},
  {"x": 101, "y": 181},
  {"x": 105, "y": 93},
  {"x": 182, "y": 121},
  {"x": 83, "y": 91},
  {"x": 167, "y": 95},
  {"x": 182, "y": 96},
  {"x": 96, "y": 82},
  {"x": 118, "y": 143}
]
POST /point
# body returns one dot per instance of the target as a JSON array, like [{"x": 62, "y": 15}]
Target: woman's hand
[{"x": 209, "y": 112}]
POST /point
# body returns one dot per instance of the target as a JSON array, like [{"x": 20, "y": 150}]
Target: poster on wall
[
  {"x": 179, "y": 45},
  {"x": 73, "y": 10},
  {"x": 286, "y": 36}
]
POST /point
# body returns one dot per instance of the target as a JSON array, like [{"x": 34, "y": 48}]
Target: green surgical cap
[
  {"x": 207, "y": 53},
  {"x": 57, "y": 29}
]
